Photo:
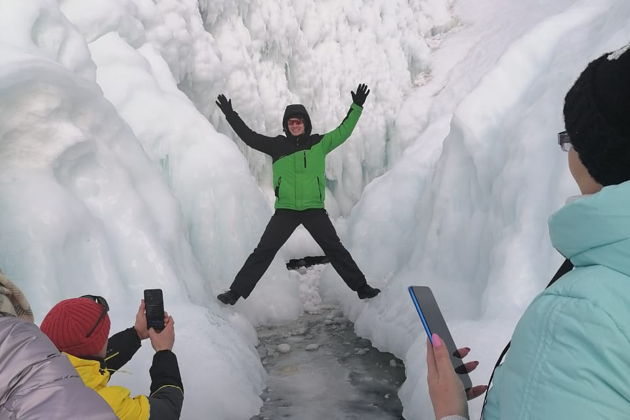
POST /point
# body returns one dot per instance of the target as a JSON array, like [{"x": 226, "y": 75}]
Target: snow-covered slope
[
  {"x": 465, "y": 210},
  {"x": 85, "y": 211}
]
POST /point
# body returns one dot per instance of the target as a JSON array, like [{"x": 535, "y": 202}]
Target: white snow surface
[{"x": 118, "y": 173}]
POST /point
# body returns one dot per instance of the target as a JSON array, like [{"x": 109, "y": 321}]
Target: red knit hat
[{"x": 68, "y": 323}]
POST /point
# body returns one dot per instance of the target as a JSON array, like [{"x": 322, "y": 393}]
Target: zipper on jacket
[
  {"x": 305, "y": 159},
  {"x": 319, "y": 188},
  {"x": 278, "y": 187}
]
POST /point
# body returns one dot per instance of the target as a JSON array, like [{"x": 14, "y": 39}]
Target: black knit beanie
[{"x": 597, "y": 117}]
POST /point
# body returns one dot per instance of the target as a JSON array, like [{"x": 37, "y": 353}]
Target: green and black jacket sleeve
[
  {"x": 335, "y": 138},
  {"x": 250, "y": 137}
]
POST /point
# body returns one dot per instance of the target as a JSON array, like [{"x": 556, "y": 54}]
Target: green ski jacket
[{"x": 298, "y": 162}]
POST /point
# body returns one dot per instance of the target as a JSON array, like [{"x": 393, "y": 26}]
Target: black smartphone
[
  {"x": 154, "y": 309},
  {"x": 433, "y": 322}
]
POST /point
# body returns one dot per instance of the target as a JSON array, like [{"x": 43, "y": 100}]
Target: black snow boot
[
  {"x": 229, "y": 297},
  {"x": 366, "y": 292}
]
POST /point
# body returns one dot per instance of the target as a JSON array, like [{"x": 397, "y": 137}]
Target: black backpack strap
[
  {"x": 566, "y": 266},
  {"x": 564, "y": 269}
]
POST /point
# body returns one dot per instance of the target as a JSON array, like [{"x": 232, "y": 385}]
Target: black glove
[
  {"x": 362, "y": 93},
  {"x": 224, "y": 104}
]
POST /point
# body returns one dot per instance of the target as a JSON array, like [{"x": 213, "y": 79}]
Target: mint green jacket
[
  {"x": 570, "y": 352},
  {"x": 299, "y": 163}
]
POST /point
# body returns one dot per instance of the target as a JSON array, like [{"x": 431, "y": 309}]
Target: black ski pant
[{"x": 278, "y": 231}]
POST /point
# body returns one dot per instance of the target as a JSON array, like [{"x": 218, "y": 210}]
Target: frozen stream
[{"x": 319, "y": 369}]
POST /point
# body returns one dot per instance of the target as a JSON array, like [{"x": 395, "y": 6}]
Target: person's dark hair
[{"x": 597, "y": 117}]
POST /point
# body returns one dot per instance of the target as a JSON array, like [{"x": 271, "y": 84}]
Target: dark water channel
[{"x": 319, "y": 369}]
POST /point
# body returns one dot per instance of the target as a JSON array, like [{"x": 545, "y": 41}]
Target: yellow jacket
[{"x": 118, "y": 397}]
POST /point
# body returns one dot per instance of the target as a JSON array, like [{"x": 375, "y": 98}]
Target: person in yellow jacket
[{"x": 79, "y": 328}]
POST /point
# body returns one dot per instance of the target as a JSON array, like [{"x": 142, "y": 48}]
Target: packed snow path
[{"x": 319, "y": 369}]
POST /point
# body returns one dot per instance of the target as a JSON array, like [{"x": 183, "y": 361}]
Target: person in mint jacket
[
  {"x": 569, "y": 356},
  {"x": 299, "y": 160}
]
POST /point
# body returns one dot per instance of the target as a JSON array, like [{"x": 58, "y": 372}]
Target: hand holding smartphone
[
  {"x": 154, "y": 309},
  {"x": 433, "y": 322}
]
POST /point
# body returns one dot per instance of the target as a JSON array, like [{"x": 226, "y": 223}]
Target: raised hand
[
  {"x": 362, "y": 93},
  {"x": 141, "y": 322},
  {"x": 164, "y": 339},
  {"x": 445, "y": 389},
  {"x": 224, "y": 104}
]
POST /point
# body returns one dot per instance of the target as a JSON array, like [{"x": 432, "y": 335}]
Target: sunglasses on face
[
  {"x": 104, "y": 309},
  {"x": 564, "y": 141},
  {"x": 295, "y": 121}
]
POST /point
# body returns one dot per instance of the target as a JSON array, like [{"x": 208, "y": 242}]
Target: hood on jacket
[
  {"x": 293, "y": 111},
  {"x": 595, "y": 229}
]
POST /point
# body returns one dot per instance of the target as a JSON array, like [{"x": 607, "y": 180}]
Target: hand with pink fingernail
[{"x": 445, "y": 388}]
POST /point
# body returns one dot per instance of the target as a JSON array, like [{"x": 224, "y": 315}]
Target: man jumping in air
[{"x": 299, "y": 160}]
